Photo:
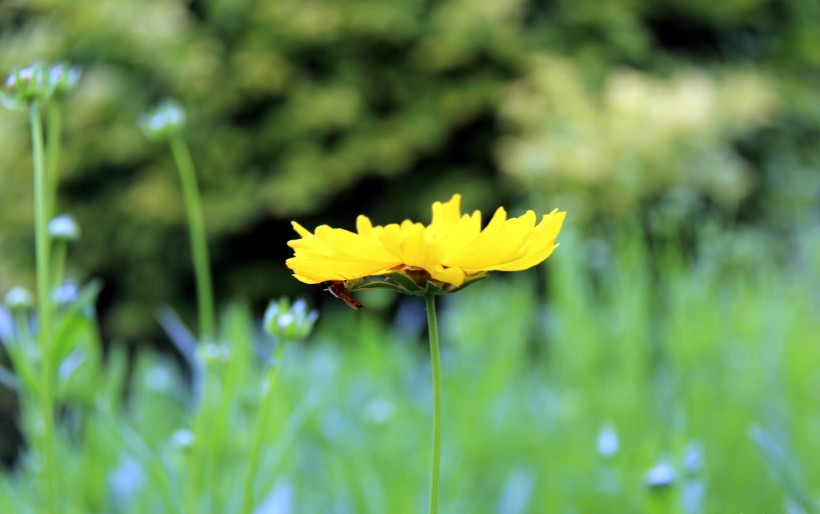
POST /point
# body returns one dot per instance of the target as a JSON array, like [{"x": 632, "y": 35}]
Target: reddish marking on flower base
[{"x": 337, "y": 288}]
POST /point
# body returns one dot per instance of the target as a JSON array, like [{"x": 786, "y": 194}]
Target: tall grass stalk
[{"x": 44, "y": 309}]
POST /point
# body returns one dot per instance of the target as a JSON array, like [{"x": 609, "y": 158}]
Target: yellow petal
[
  {"x": 302, "y": 231},
  {"x": 539, "y": 245},
  {"x": 453, "y": 276},
  {"x": 461, "y": 235},
  {"x": 302, "y": 278},
  {"x": 525, "y": 262},
  {"x": 338, "y": 268},
  {"x": 447, "y": 214},
  {"x": 337, "y": 254},
  {"x": 348, "y": 243},
  {"x": 416, "y": 249},
  {"x": 475, "y": 253},
  {"x": 513, "y": 236},
  {"x": 364, "y": 226},
  {"x": 452, "y": 248}
]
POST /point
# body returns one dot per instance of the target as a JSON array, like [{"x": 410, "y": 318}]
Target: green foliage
[
  {"x": 639, "y": 138},
  {"x": 680, "y": 365}
]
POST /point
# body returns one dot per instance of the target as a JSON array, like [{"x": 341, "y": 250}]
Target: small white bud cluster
[
  {"x": 166, "y": 119},
  {"x": 38, "y": 83}
]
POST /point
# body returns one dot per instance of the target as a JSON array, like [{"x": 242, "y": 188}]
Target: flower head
[
  {"x": 288, "y": 321},
  {"x": 64, "y": 227},
  {"x": 38, "y": 83},
  {"x": 163, "y": 121},
  {"x": 19, "y": 299},
  {"x": 449, "y": 253},
  {"x": 26, "y": 85},
  {"x": 62, "y": 78}
]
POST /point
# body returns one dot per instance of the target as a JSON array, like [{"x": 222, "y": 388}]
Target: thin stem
[
  {"x": 58, "y": 262},
  {"x": 53, "y": 140},
  {"x": 435, "y": 359},
  {"x": 196, "y": 462},
  {"x": 200, "y": 484},
  {"x": 199, "y": 245},
  {"x": 41, "y": 239},
  {"x": 255, "y": 456}
]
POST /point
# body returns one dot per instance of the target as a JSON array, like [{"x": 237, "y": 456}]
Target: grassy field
[{"x": 609, "y": 380}]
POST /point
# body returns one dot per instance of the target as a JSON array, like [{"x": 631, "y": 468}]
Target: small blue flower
[
  {"x": 608, "y": 442},
  {"x": 289, "y": 322},
  {"x": 660, "y": 475},
  {"x": 19, "y": 299},
  {"x": 26, "y": 85},
  {"x": 167, "y": 119},
  {"x": 64, "y": 227},
  {"x": 62, "y": 78}
]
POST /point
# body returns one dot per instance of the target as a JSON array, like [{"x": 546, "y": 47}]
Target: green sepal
[
  {"x": 420, "y": 285},
  {"x": 407, "y": 283}
]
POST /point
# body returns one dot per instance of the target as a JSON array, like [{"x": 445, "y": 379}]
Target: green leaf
[
  {"x": 74, "y": 322},
  {"x": 785, "y": 468}
]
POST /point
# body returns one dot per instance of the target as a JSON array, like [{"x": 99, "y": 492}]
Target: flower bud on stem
[
  {"x": 62, "y": 229},
  {"x": 285, "y": 322},
  {"x": 165, "y": 123}
]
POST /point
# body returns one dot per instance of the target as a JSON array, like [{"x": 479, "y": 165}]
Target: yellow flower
[{"x": 445, "y": 255}]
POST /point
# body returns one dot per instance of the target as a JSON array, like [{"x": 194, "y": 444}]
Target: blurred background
[
  {"x": 621, "y": 111},
  {"x": 658, "y": 118}
]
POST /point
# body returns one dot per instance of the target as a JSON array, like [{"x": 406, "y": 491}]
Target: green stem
[
  {"x": 60, "y": 250},
  {"x": 200, "y": 490},
  {"x": 255, "y": 456},
  {"x": 199, "y": 245},
  {"x": 53, "y": 139},
  {"x": 435, "y": 359},
  {"x": 196, "y": 461},
  {"x": 41, "y": 239}
]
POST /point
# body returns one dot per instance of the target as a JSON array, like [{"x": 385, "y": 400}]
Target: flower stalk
[
  {"x": 265, "y": 406},
  {"x": 199, "y": 245},
  {"x": 285, "y": 322},
  {"x": 435, "y": 360},
  {"x": 53, "y": 137},
  {"x": 165, "y": 123},
  {"x": 44, "y": 308}
]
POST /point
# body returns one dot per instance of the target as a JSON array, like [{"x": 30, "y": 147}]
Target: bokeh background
[
  {"x": 618, "y": 111},
  {"x": 659, "y": 118}
]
